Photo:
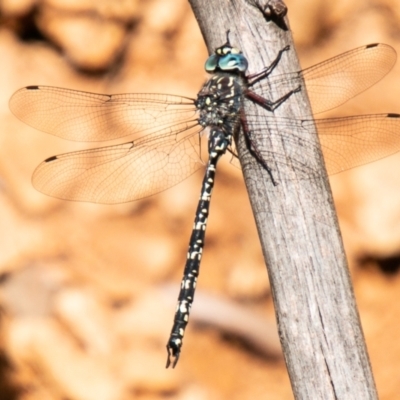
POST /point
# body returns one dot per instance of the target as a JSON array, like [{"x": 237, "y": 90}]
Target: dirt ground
[{"x": 88, "y": 291}]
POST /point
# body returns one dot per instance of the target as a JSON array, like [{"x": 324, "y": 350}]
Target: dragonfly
[{"x": 166, "y": 130}]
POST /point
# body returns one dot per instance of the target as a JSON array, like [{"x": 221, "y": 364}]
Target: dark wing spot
[{"x": 50, "y": 159}]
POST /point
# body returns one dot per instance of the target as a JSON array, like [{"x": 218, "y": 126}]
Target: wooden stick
[{"x": 318, "y": 321}]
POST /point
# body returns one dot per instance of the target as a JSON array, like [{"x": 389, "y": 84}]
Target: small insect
[{"x": 166, "y": 131}]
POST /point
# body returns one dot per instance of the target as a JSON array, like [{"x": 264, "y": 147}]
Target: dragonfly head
[{"x": 226, "y": 58}]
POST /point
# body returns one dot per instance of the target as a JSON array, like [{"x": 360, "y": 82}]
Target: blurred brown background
[{"x": 85, "y": 308}]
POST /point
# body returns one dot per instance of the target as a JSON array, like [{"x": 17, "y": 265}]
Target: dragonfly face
[{"x": 228, "y": 59}]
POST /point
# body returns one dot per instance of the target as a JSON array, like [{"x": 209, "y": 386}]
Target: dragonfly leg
[
  {"x": 268, "y": 104},
  {"x": 254, "y": 78},
  {"x": 217, "y": 146},
  {"x": 254, "y": 151}
]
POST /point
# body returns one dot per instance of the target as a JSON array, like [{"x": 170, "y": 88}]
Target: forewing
[
  {"x": 120, "y": 173},
  {"x": 83, "y": 116},
  {"x": 332, "y": 82}
]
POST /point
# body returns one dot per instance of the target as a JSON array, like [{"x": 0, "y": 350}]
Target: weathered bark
[{"x": 317, "y": 317}]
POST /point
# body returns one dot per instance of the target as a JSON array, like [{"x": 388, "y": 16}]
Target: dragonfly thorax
[{"x": 220, "y": 101}]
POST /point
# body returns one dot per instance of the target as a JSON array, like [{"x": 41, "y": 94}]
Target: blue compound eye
[
  {"x": 227, "y": 62},
  {"x": 211, "y": 63},
  {"x": 232, "y": 62}
]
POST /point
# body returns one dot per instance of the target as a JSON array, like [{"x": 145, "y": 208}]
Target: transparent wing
[
  {"x": 234, "y": 159},
  {"x": 121, "y": 173},
  {"x": 336, "y": 80},
  {"x": 353, "y": 141},
  {"x": 83, "y": 116},
  {"x": 346, "y": 143}
]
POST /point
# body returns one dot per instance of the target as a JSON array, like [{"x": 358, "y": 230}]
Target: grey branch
[{"x": 318, "y": 321}]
